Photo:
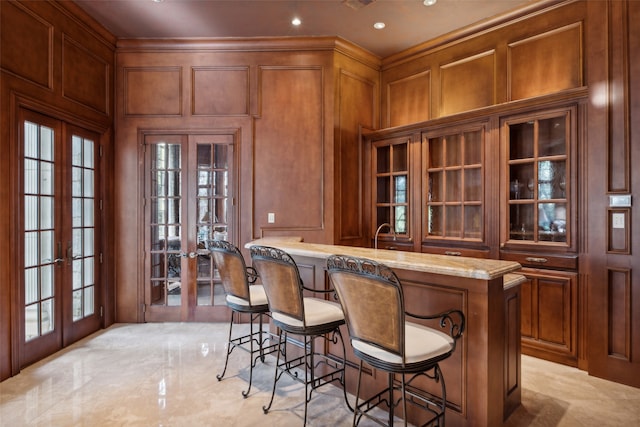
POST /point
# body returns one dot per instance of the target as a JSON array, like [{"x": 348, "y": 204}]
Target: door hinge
[
  {"x": 100, "y": 204},
  {"x": 100, "y": 150},
  {"x": 100, "y": 257},
  {"x": 101, "y": 311},
  {"x": 144, "y": 307}
]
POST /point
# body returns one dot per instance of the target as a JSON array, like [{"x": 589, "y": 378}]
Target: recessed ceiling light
[
  {"x": 296, "y": 21},
  {"x": 429, "y": 2},
  {"x": 378, "y": 25},
  {"x": 158, "y": 1}
]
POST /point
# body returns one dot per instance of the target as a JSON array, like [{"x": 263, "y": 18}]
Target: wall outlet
[{"x": 271, "y": 217}]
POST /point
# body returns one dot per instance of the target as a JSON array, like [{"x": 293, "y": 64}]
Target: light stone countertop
[{"x": 475, "y": 268}]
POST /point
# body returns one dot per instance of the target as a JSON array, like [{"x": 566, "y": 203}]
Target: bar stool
[
  {"x": 242, "y": 297},
  {"x": 294, "y": 313},
  {"x": 373, "y": 302}
]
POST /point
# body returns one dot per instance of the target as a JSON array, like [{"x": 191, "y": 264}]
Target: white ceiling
[{"x": 408, "y": 22}]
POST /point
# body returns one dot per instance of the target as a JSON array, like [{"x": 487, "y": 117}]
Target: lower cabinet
[{"x": 549, "y": 315}]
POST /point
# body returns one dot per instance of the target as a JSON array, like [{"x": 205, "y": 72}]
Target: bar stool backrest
[
  {"x": 281, "y": 281},
  {"x": 372, "y": 301},
  {"x": 232, "y": 268}
]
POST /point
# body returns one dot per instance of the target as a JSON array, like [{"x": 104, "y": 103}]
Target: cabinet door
[
  {"x": 538, "y": 179},
  {"x": 549, "y": 315},
  {"x": 391, "y": 188},
  {"x": 453, "y": 184}
]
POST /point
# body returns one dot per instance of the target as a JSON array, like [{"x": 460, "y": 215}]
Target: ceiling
[{"x": 408, "y": 22}]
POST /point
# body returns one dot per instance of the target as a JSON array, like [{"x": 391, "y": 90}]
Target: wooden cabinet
[
  {"x": 539, "y": 228},
  {"x": 538, "y": 171},
  {"x": 453, "y": 186},
  {"x": 502, "y": 184},
  {"x": 549, "y": 315},
  {"x": 391, "y": 192}
]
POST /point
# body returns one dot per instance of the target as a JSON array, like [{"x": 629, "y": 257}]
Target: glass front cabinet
[
  {"x": 501, "y": 185},
  {"x": 391, "y": 160},
  {"x": 539, "y": 227},
  {"x": 453, "y": 186}
]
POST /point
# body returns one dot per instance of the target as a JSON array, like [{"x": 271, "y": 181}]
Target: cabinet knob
[{"x": 536, "y": 259}]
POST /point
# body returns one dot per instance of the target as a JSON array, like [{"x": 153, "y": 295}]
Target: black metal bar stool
[
  {"x": 294, "y": 313},
  {"x": 242, "y": 297},
  {"x": 373, "y": 303}
]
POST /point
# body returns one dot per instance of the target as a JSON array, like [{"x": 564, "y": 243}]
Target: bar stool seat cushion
[
  {"x": 421, "y": 343},
  {"x": 256, "y": 295},
  {"x": 317, "y": 312}
]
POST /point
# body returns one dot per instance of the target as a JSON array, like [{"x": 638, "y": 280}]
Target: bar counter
[{"x": 483, "y": 375}]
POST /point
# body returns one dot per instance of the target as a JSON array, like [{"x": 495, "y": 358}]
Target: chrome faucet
[{"x": 375, "y": 240}]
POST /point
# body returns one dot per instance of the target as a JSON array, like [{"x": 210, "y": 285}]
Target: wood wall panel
[
  {"x": 619, "y": 313},
  {"x": 26, "y": 44},
  {"x": 409, "y": 99},
  {"x": 618, "y": 100},
  {"x": 545, "y": 63},
  {"x": 85, "y": 76},
  {"x": 153, "y": 91},
  {"x": 468, "y": 84},
  {"x": 218, "y": 91},
  {"x": 289, "y": 149},
  {"x": 354, "y": 91}
]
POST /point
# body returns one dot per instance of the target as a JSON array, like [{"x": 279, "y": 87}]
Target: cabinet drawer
[
  {"x": 438, "y": 250},
  {"x": 395, "y": 246},
  {"x": 542, "y": 260}
]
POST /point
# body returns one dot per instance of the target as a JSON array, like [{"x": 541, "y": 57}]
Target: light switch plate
[
  {"x": 271, "y": 217},
  {"x": 617, "y": 220}
]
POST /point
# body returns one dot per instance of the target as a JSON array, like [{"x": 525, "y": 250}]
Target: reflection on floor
[{"x": 160, "y": 374}]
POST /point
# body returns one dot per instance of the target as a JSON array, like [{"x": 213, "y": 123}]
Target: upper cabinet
[
  {"x": 537, "y": 176},
  {"x": 391, "y": 165},
  {"x": 453, "y": 184}
]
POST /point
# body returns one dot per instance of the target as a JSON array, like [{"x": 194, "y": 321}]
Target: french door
[
  {"x": 58, "y": 235},
  {"x": 188, "y": 200}
]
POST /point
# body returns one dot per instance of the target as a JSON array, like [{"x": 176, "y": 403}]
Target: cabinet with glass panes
[
  {"x": 453, "y": 184},
  {"x": 391, "y": 213},
  {"x": 538, "y": 170},
  {"x": 539, "y": 228}
]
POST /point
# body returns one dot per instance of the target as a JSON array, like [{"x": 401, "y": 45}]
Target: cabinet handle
[
  {"x": 535, "y": 259},
  {"x": 391, "y": 248},
  {"x": 453, "y": 253}
]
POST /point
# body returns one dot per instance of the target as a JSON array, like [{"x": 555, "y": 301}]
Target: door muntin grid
[
  {"x": 39, "y": 230},
  {"x": 83, "y": 228}
]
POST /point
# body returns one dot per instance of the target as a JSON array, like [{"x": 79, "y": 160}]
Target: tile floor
[{"x": 163, "y": 374}]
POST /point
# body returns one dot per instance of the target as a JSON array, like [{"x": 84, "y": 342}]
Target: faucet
[{"x": 375, "y": 240}]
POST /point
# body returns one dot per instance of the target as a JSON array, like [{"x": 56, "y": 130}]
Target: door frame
[
  {"x": 191, "y": 138},
  {"x": 20, "y": 103}
]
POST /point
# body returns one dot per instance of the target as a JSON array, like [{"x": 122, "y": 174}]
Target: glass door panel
[
  {"x": 59, "y": 235},
  {"x": 83, "y": 227},
  {"x": 189, "y": 199},
  {"x": 40, "y": 291},
  {"x": 538, "y": 178},
  {"x": 165, "y": 223},
  {"x": 213, "y": 216},
  {"x": 391, "y": 187},
  {"x": 454, "y": 185}
]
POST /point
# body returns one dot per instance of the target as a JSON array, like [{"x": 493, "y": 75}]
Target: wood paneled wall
[
  {"x": 612, "y": 276},
  {"x": 56, "y": 60},
  {"x": 557, "y": 48},
  {"x": 297, "y": 105},
  {"x": 519, "y": 59}
]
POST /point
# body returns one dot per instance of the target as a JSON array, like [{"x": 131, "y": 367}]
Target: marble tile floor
[{"x": 163, "y": 374}]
